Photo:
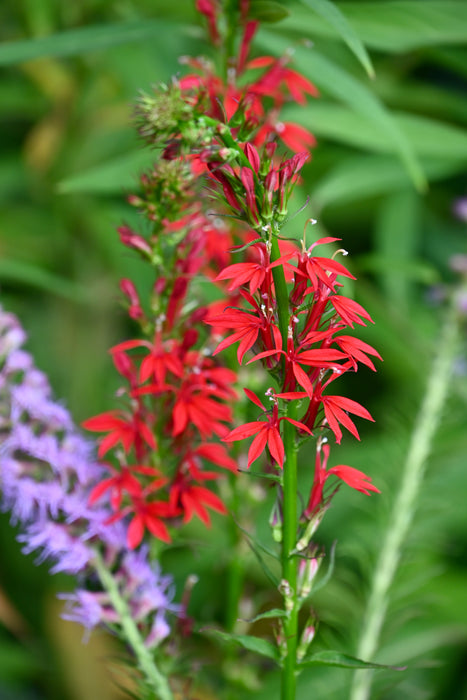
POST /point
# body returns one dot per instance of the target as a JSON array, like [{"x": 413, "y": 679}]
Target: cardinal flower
[
  {"x": 267, "y": 432},
  {"x": 127, "y": 428}
]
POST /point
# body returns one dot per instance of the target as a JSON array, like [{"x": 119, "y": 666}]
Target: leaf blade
[
  {"x": 336, "y": 658},
  {"x": 333, "y": 15},
  {"x": 331, "y": 79},
  {"x": 78, "y": 41},
  {"x": 255, "y": 644}
]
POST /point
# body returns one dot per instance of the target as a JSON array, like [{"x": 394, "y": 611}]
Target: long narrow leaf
[
  {"x": 260, "y": 646},
  {"x": 333, "y": 15},
  {"x": 275, "y": 612},
  {"x": 111, "y": 177},
  {"x": 394, "y": 25},
  {"x": 335, "y": 658},
  {"x": 360, "y": 177},
  {"x": 427, "y": 137},
  {"x": 79, "y": 41},
  {"x": 334, "y": 80},
  {"x": 31, "y": 275}
]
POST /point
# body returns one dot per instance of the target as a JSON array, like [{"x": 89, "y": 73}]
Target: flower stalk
[
  {"x": 153, "y": 677},
  {"x": 404, "y": 507},
  {"x": 289, "y": 503},
  {"x": 289, "y": 558}
]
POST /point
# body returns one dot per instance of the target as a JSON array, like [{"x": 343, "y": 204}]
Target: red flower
[
  {"x": 191, "y": 499},
  {"x": 161, "y": 358},
  {"x": 124, "y": 481},
  {"x": 352, "y": 477},
  {"x": 248, "y": 327},
  {"x": 356, "y": 350},
  {"x": 335, "y": 410},
  {"x": 349, "y": 310},
  {"x": 267, "y": 433},
  {"x": 147, "y": 516},
  {"x": 195, "y": 405},
  {"x": 127, "y": 428},
  {"x": 295, "y": 137},
  {"x": 254, "y": 273}
]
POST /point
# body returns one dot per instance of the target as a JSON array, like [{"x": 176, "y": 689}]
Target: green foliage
[
  {"x": 255, "y": 644},
  {"x": 335, "y": 658}
]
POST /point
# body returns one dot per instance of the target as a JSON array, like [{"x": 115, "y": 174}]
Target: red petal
[
  {"x": 257, "y": 446},
  {"x": 297, "y": 424},
  {"x": 244, "y": 431},
  {"x": 252, "y": 396},
  {"x": 303, "y": 379},
  {"x": 135, "y": 532},
  {"x": 276, "y": 446},
  {"x": 354, "y": 478},
  {"x": 158, "y": 529}
]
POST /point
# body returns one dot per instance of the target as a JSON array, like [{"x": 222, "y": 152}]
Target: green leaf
[
  {"x": 28, "y": 274},
  {"x": 267, "y": 11},
  {"x": 259, "y": 646},
  {"x": 335, "y": 81},
  {"x": 402, "y": 271},
  {"x": 258, "y": 544},
  {"x": 327, "y": 577},
  {"x": 397, "y": 234},
  {"x": 360, "y": 177},
  {"x": 395, "y": 25},
  {"x": 239, "y": 250},
  {"x": 273, "y": 579},
  {"x": 79, "y": 41},
  {"x": 333, "y": 15},
  {"x": 112, "y": 177},
  {"x": 256, "y": 548},
  {"x": 275, "y": 612},
  {"x": 427, "y": 137},
  {"x": 271, "y": 477},
  {"x": 405, "y": 25},
  {"x": 336, "y": 658},
  {"x": 16, "y": 663}
]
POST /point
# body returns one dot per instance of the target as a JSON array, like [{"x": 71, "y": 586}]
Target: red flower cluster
[
  {"x": 180, "y": 395},
  {"x": 255, "y": 91},
  {"x": 177, "y": 394},
  {"x": 305, "y": 349}
]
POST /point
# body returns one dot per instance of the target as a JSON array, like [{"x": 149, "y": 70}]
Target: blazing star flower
[{"x": 47, "y": 474}]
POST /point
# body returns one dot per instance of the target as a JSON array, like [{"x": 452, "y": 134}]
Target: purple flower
[
  {"x": 88, "y": 608},
  {"x": 56, "y": 541},
  {"x": 460, "y": 208},
  {"x": 47, "y": 471}
]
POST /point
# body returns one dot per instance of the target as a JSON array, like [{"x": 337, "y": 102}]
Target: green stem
[
  {"x": 404, "y": 506},
  {"x": 289, "y": 560},
  {"x": 154, "y": 678},
  {"x": 289, "y": 506},
  {"x": 225, "y": 135}
]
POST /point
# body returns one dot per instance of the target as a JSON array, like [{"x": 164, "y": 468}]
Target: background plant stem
[
  {"x": 152, "y": 676},
  {"x": 404, "y": 506}
]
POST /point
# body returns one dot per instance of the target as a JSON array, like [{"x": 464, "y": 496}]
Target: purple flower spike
[{"x": 47, "y": 471}]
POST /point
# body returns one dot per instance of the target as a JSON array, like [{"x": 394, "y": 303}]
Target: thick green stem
[
  {"x": 405, "y": 503},
  {"x": 289, "y": 506},
  {"x": 153, "y": 677},
  {"x": 289, "y": 560}
]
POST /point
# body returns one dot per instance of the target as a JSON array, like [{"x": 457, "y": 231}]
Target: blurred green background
[{"x": 391, "y": 161}]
